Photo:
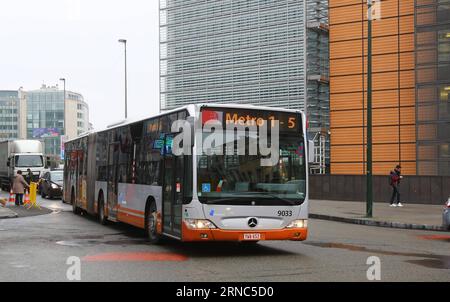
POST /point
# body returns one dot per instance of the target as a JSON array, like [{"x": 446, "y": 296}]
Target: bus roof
[{"x": 190, "y": 108}]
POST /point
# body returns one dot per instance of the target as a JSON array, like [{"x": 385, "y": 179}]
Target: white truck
[{"x": 20, "y": 155}]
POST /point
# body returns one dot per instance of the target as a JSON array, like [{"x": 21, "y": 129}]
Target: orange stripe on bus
[
  {"x": 298, "y": 234},
  {"x": 131, "y": 210},
  {"x": 131, "y": 219}
]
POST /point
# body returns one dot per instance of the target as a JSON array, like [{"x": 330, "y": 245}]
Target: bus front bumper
[{"x": 294, "y": 234}]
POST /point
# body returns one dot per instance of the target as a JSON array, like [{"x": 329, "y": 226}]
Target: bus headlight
[
  {"x": 298, "y": 224},
  {"x": 199, "y": 224}
]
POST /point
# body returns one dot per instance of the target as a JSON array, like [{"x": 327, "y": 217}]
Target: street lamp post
[
  {"x": 126, "y": 84},
  {"x": 369, "y": 190},
  {"x": 64, "y": 100}
]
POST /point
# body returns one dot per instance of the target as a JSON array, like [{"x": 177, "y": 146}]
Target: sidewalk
[
  {"x": 411, "y": 216},
  {"x": 7, "y": 213},
  {"x": 11, "y": 211}
]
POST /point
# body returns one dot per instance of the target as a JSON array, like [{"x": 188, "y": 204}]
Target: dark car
[{"x": 51, "y": 184}]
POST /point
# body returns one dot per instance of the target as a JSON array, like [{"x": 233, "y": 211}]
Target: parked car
[
  {"x": 51, "y": 184},
  {"x": 446, "y": 215}
]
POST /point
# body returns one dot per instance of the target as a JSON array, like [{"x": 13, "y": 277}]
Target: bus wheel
[
  {"x": 150, "y": 224},
  {"x": 76, "y": 210},
  {"x": 101, "y": 211}
]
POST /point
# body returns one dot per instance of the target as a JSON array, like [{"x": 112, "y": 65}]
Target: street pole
[
  {"x": 369, "y": 197},
  {"x": 126, "y": 80}
]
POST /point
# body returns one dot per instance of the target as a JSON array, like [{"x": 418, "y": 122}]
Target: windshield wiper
[{"x": 290, "y": 202}]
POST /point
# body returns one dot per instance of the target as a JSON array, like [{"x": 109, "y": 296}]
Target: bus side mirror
[
  {"x": 311, "y": 152},
  {"x": 8, "y": 163}
]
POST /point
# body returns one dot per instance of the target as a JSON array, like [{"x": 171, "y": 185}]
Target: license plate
[{"x": 252, "y": 236}]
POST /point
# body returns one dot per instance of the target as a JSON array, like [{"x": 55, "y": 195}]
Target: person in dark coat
[
  {"x": 19, "y": 185},
  {"x": 29, "y": 176},
  {"x": 395, "y": 182}
]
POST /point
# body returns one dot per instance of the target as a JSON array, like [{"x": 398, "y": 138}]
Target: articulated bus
[{"x": 130, "y": 173}]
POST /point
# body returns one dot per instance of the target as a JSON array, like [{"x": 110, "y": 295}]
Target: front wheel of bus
[{"x": 150, "y": 225}]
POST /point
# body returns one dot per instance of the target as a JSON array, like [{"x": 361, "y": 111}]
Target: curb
[
  {"x": 385, "y": 224},
  {"x": 9, "y": 214}
]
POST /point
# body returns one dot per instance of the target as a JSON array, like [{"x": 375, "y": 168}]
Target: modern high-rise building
[
  {"x": 40, "y": 114},
  {"x": 12, "y": 114},
  {"x": 11, "y": 104},
  {"x": 246, "y": 52},
  {"x": 411, "y": 86},
  {"x": 46, "y": 113},
  {"x": 318, "y": 82}
]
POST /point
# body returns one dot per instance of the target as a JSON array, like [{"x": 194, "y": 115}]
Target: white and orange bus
[{"x": 130, "y": 173}]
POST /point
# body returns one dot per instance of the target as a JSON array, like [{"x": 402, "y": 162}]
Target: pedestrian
[
  {"x": 19, "y": 185},
  {"x": 395, "y": 178},
  {"x": 29, "y": 176}
]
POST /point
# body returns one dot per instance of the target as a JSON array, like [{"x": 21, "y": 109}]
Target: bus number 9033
[{"x": 284, "y": 213}]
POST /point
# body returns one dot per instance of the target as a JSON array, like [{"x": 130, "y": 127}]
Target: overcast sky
[{"x": 44, "y": 40}]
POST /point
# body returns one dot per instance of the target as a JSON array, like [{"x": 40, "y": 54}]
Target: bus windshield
[
  {"x": 242, "y": 180},
  {"x": 28, "y": 161}
]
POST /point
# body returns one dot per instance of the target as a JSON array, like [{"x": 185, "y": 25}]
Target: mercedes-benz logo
[{"x": 252, "y": 222}]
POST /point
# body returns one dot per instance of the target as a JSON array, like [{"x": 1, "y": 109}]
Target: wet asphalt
[{"x": 37, "y": 248}]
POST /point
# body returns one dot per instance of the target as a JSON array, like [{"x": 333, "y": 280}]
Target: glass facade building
[
  {"x": 46, "y": 113},
  {"x": 259, "y": 52},
  {"x": 9, "y": 114},
  {"x": 45, "y": 118},
  {"x": 233, "y": 51},
  {"x": 433, "y": 86}
]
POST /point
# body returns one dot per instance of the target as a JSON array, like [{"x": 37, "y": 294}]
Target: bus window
[
  {"x": 164, "y": 126},
  {"x": 182, "y": 115},
  {"x": 172, "y": 119}
]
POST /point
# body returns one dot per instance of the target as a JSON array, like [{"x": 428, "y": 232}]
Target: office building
[
  {"x": 246, "y": 52},
  {"x": 11, "y": 104},
  {"x": 46, "y": 113},
  {"x": 40, "y": 114},
  {"x": 411, "y": 79}
]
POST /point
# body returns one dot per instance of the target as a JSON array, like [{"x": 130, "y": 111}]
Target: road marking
[
  {"x": 135, "y": 257},
  {"x": 68, "y": 243},
  {"x": 434, "y": 237}
]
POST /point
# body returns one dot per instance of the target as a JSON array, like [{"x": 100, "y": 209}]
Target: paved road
[{"x": 36, "y": 249}]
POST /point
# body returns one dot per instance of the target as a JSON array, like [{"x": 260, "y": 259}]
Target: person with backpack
[{"x": 394, "y": 181}]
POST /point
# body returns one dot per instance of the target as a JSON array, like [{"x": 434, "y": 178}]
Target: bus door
[
  {"x": 113, "y": 158},
  {"x": 172, "y": 189}
]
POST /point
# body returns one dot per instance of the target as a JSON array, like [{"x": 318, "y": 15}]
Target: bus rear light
[
  {"x": 199, "y": 224},
  {"x": 298, "y": 224},
  {"x": 448, "y": 203}
]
